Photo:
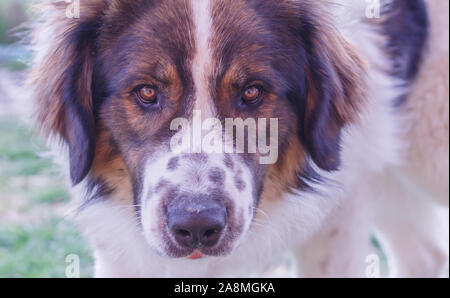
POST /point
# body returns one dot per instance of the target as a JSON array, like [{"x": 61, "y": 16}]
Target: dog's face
[{"x": 146, "y": 90}]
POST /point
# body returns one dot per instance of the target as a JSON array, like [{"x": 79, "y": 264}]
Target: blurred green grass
[
  {"x": 34, "y": 236},
  {"x": 40, "y": 250},
  {"x": 18, "y": 150},
  {"x": 28, "y": 183},
  {"x": 13, "y": 14},
  {"x": 50, "y": 195}
]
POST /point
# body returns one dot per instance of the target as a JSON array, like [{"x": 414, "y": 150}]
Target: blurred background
[{"x": 34, "y": 237}]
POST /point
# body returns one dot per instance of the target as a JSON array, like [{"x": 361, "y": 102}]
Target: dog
[{"x": 135, "y": 92}]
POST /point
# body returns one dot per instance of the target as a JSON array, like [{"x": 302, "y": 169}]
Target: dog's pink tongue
[{"x": 196, "y": 255}]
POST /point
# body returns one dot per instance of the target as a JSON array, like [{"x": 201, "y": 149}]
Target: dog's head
[{"x": 203, "y": 107}]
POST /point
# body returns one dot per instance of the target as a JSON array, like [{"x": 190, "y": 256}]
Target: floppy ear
[
  {"x": 335, "y": 80},
  {"x": 62, "y": 81}
]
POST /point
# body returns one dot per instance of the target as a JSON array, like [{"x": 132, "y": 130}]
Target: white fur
[{"x": 203, "y": 56}]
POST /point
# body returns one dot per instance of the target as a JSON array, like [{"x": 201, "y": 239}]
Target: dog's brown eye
[
  {"x": 147, "y": 94},
  {"x": 251, "y": 94}
]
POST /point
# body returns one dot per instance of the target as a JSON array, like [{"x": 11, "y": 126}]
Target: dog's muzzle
[{"x": 196, "y": 222}]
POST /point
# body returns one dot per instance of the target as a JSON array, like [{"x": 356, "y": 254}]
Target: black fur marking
[
  {"x": 173, "y": 164},
  {"x": 217, "y": 176},
  {"x": 228, "y": 161},
  {"x": 406, "y": 27},
  {"x": 323, "y": 147},
  {"x": 239, "y": 183},
  {"x": 79, "y": 121},
  {"x": 162, "y": 184}
]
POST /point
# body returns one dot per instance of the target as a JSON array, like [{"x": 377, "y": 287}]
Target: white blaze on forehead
[{"x": 202, "y": 63}]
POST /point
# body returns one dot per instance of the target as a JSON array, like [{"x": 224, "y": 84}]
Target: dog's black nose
[{"x": 196, "y": 223}]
